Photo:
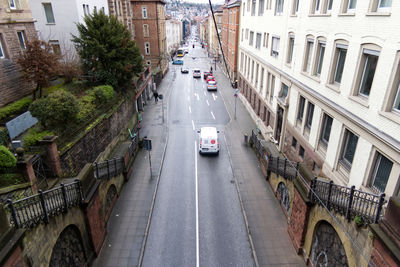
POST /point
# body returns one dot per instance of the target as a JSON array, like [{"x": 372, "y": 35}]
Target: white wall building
[
  {"x": 174, "y": 34},
  {"x": 56, "y": 19},
  {"x": 323, "y": 77}
]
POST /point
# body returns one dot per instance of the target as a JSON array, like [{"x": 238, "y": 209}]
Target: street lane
[{"x": 221, "y": 238}]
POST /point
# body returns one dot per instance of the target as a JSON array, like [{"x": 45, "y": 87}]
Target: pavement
[{"x": 266, "y": 222}]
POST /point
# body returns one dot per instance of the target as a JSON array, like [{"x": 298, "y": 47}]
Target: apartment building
[
  {"x": 122, "y": 9},
  {"x": 174, "y": 31},
  {"x": 16, "y": 28},
  {"x": 55, "y": 21},
  {"x": 230, "y": 35},
  {"x": 150, "y": 36},
  {"x": 213, "y": 46},
  {"x": 321, "y": 78}
]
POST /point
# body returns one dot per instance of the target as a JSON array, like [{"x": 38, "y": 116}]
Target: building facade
[
  {"x": 321, "y": 79},
  {"x": 16, "y": 27},
  {"x": 173, "y": 29},
  {"x": 122, "y": 9},
  {"x": 55, "y": 21},
  {"x": 230, "y": 35},
  {"x": 150, "y": 35},
  {"x": 213, "y": 44}
]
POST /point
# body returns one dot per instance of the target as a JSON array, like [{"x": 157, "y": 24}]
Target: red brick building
[
  {"x": 150, "y": 34},
  {"x": 230, "y": 35}
]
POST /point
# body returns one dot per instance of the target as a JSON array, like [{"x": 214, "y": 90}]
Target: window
[
  {"x": 55, "y": 45},
  {"x": 320, "y": 57},
  {"x": 338, "y": 63},
  {"x": 294, "y": 142},
  {"x": 262, "y": 78},
  {"x": 244, "y": 8},
  {"x": 396, "y": 103},
  {"x": 84, "y": 9},
  {"x": 21, "y": 39},
  {"x": 275, "y": 47},
  {"x": 241, "y": 36},
  {"x": 241, "y": 61},
  {"x": 145, "y": 30},
  {"x": 325, "y": 130},
  {"x": 289, "y": 57},
  {"x": 380, "y": 172},
  {"x": 317, "y": 6},
  {"x": 248, "y": 5},
  {"x": 147, "y": 48},
  {"x": 270, "y": 86},
  {"x": 14, "y": 4},
  {"x": 369, "y": 60},
  {"x": 144, "y": 12},
  {"x": 308, "y": 56},
  {"x": 252, "y": 71},
  {"x": 309, "y": 117},
  {"x": 261, "y": 7},
  {"x": 251, "y": 38},
  {"x": 295, "y": 7},
  {"x": 95, "y": 9},
  {"x": 301, "y": 151},
  {"x": 253, "y": 7},
  {"x": 392, "y": 99},
  {"x": 300, "y": 109},
  {"x": 2, "y": 52},
  {"x": 349, "y": 6},
  {"x": 256, "y": 83},
  {"x": 284, "y": 91},
  {"x": 258, "y": 41},
  {"x": 329, "y": 6},
  {"x": 247, "y": 34},
  {"x": 48, "y": 10},
  {"x": 266, "y": 35},
  {"x": 279, "y": 7},
  {"x": 349, "y": 148}
]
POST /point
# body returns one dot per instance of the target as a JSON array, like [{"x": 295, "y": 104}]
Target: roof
[{"x": 233, "y": 3}]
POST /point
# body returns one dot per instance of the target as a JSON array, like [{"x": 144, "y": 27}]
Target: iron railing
[
  {"x": 283, "y": 167},
  {"x": 33, "y": 210},
  {"x": 348, "y": 201},
  {"x": 109, "y": 168},
  {"x": 133, "y": 146}
]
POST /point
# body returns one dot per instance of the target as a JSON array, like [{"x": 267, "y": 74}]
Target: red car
[
  {"x": 206, "y": 73},
  {"x": 210, "y": 78}
]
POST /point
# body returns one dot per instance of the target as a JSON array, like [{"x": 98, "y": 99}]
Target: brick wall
[
  {"x": 381, "y": 256},
  {"x": 13, "y": 86},
  {"x": 96, "y": 225},
  {"x": 298, "y": 221}
]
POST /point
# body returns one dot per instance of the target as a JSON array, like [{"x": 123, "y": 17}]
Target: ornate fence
[
  {"x": 348, "y": 201},
  {"x": 109, "y": 168},
  {"x": 33, "y": 210},
  {"x": 283, "y": 167}
]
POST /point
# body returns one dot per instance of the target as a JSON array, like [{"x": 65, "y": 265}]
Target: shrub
[
  {"x": 7, "y": 159},
  {"x": 57, "y": 110},
  {"x": 9, "y": 179},
  {"x": 103, "y": 94},
  {"x": 3, "y": 136},
  {"x": 86, "y": 107},
  {"x": 70, "y": 70},
  {"x": 33, "y": 136},
  {"x": 15, "y": 108}
]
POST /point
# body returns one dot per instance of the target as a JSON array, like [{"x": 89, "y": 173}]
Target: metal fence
[
  {"x": 283, "y": 167},
  {"x": 33, "y": 210},
  {"x": 348, "y": 201},
  {"x": 109, "y": 168}
]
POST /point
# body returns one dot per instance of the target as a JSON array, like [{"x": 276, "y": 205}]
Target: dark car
[
  {"x": 184, "y": 70},
  {"x": 206, "y": 73}
]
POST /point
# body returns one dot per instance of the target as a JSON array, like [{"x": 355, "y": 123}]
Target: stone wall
[
  {"x": 13, "y": 85},
  {"x": 102, "y": 136}
]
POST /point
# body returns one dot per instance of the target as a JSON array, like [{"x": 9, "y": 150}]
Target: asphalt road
[{"x": 197, "y": 220}]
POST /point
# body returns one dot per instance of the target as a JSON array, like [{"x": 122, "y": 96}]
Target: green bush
[
  {"x": 9, "y": 179},
  {"x": 3, "y": 136},
  {"x": 103, "y": 94},
  {"x": 57, "y": 110},
  {"x": 15, "y": 108},
  {"x": 33, "y": 136},
  {"x": 86, "y": 107},
  {"x": 7, "y": 159}
]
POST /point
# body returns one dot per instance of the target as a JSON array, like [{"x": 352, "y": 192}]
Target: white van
[
  {"x": 196, "y": 73},
  {"x": 208, "y": 140}
]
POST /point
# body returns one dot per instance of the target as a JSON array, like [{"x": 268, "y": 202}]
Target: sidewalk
[
  {"x": 127, "y": 224},
  {"x": 266, "y": 220}
]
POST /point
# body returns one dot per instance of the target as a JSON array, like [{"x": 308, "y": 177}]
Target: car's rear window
[{"x": 197, "y": 71}]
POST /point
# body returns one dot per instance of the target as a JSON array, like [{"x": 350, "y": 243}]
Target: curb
[{"x": 156, "y": 188}]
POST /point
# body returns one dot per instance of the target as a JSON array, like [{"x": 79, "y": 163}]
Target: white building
[
  {"x": 322, "y": 78},
  {"x": 174, "y": 34},
  {"x": 56, "y": 20}
]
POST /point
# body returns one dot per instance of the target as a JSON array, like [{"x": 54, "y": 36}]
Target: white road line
[
  {"x": 207, "y": 102},
  {"x": 205, "y": 93},
  {"x": 198, "y": 98},
  {"x": 193, "y": 125},
  {"x": 189, "y": 98},
  {"x": 212, "y": 114},
  {"x": 214, "y": 96},
  {"x": 190, "y": 110},
  {"x": 197, "y": 206}
]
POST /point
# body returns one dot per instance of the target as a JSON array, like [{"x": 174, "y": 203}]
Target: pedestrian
[
  {"x": 155, "y": 94},
  {"x": 211, "y": 69}
]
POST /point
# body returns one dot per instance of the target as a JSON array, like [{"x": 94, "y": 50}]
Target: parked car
[
  {"x": 196, "y": 73},
  {"x": 184, "y": 70},
  {"x": 206, "y": 73},
  {"x": 210, "y": 78},
  {"x": 212, "y": 85},
  {"x": 177, "y": 62},
  {"x": 208, "y": 140}
]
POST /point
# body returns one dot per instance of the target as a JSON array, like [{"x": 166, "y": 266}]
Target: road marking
[
  {"x": 207, "y": 102},
  {"x": 190, "y": 110},
  {"x": 214, "y": 96},
  {"x": 212, "y": 114},
  {"x": 205, "y": 94},
  {"x": 198, "y": 98},
  {"x": 189, "y": 98},
  {"x": 193, "y": 125},
  {"x": 197, "y": 207}
]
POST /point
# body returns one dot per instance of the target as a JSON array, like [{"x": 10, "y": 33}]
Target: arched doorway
[
  {"x": 68, "y": 250},
  {"x": 327, "y": 248},
  {"x": 110, "y": 198},
  {"x": 284, "y": 196}
]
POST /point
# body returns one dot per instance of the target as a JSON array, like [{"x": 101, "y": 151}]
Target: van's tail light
[
  {"x": 218, "y": 143},
  {"x": 200, "y": 144}
]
